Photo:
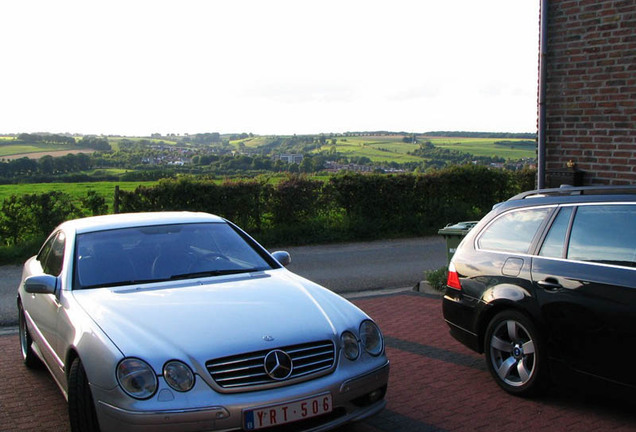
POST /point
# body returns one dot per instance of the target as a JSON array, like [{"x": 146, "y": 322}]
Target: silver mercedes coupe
[{"x": 180, "y": 321}]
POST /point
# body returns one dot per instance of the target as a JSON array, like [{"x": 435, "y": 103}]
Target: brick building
[{"x": 587, "y": 111}]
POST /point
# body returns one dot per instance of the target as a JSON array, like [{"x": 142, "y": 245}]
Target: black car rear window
[{"x": 513, "y": 231}]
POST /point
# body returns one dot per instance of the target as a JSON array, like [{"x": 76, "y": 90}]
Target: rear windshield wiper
[{"x": 212, "y": 273}]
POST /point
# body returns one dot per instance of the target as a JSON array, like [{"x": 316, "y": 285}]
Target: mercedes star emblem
[{"x": 278, "y": 365}]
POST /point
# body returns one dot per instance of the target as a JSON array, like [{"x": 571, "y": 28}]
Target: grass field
[
  {"x": 75, "y": 190},
  {"x": 107, "y": 189}
]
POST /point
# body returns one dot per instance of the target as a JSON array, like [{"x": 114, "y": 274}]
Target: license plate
[{"x": 288, "y": 412}]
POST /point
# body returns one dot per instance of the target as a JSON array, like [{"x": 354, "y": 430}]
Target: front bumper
[{"x": 354, "y": 399}]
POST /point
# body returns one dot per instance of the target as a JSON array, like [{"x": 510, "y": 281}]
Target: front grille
[{"x": 245, "y": 371}]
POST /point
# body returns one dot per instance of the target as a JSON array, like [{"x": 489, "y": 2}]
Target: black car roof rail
[{"x": 577, "y": 190}]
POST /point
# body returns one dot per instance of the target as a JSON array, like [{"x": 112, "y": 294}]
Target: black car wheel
[
  {"x": 515, "y": 354},
  {"x": 29, "y": 357},
  {"x": 81, "y": 410}
]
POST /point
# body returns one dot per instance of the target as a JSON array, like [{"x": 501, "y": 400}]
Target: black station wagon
[{"x": 545, "y": 286}]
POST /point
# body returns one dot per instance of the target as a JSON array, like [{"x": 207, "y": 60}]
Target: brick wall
[{"x": 591, "y": 89}]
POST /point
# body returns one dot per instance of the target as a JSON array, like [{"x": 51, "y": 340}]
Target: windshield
[{"x": 166, "y": 252}]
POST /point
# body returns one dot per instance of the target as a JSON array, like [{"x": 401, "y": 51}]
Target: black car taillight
[{"x": 452, "y": 280}]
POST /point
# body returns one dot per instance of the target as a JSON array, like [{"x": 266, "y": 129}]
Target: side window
[
  {"x": 605, "y": 234},
  {"x": 44, "y": 252},
  {"x": 514, "y": 231},
  {"x": 52, "y": 263},
  {"x": 555, "y": 240}
]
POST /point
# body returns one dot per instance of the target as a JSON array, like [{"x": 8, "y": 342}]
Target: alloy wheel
[{"x": 512, "y": 353}]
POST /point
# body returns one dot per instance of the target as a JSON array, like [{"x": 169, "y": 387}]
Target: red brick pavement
[
  {"x": 436, "y": 385},
  {"x": 29, "y": 400}
]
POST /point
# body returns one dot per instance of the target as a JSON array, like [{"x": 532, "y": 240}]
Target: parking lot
[{"x": 435, "y": 384}]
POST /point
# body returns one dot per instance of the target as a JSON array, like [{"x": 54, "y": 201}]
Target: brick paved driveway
[{"x": 435, "y": 385}]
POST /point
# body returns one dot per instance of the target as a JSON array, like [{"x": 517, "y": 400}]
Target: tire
[
  {"x": 81, "y": 409},
  {"x": 29, "y": 357},
  {"x": 515, "y": 354}
]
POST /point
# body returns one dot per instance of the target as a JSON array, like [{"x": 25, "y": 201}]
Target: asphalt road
[
  {"x": 9, "y": 280},
  {"x": 342, "y": 268},
  {"x": 372, "y": 265}
]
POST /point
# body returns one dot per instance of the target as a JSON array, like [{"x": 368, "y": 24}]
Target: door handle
[{"x": 550, "y": 284}]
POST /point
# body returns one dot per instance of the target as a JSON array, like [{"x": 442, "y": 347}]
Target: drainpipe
[{"x": 543, "y": 43}]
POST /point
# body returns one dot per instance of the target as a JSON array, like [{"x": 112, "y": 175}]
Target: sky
[{"x": 137, "y": 67}]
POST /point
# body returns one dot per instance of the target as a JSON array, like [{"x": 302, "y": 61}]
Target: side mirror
[
  {"x": 42, "y": 284},
  {"x": 282, "y": 257}
]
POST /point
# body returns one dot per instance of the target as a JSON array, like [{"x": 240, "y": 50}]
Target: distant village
[{"x": 171, "y": 155}]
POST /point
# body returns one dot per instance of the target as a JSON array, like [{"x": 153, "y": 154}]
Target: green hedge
[
  {"x": 349, "y": 206},
  {"x": 298, "y": 210}
]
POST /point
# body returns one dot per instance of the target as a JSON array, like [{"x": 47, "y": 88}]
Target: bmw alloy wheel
[{"x": 514, "y": 353}]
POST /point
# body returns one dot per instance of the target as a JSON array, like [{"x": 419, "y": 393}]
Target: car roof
[
  {"x": 570, "y": 195},
  {"x": 125, "y": 220},
  {"x": 566, "y": 190}
]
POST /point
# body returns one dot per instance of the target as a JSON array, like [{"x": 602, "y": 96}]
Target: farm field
[
  {"x": 38, "y": 154},
  {"x": 20, "y": 150},
  {"x": 391, "y": 148},
  {"x": 9, "y": 149},
  {"x": 377, "y": 149},
  {"x": 517, "y": 149},
  {"x": 114, "y": 141},
  {"x": 252, "y": 143}
]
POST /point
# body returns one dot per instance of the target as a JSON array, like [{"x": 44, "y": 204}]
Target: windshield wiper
[
  {"x": 121, "y": 283},
  {"x": 208, "y": 273},
  {"x": 193, "y": 275}
]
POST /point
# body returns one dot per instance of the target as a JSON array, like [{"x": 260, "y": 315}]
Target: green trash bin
[{"x": 454, "y": 233}]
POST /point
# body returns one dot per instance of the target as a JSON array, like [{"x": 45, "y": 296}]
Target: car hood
[{"x": 214, "y": 317}]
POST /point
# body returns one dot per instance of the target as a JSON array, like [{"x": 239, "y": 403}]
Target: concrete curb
[{"x": 426, "y": 288}]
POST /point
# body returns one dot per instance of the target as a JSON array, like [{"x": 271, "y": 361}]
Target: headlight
[
  {"x": 136, "y": 378},
  {"x": 371, "y": 338},
  {"x": 350, "y": 345},
  {"x": 178, "y": 376}
]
